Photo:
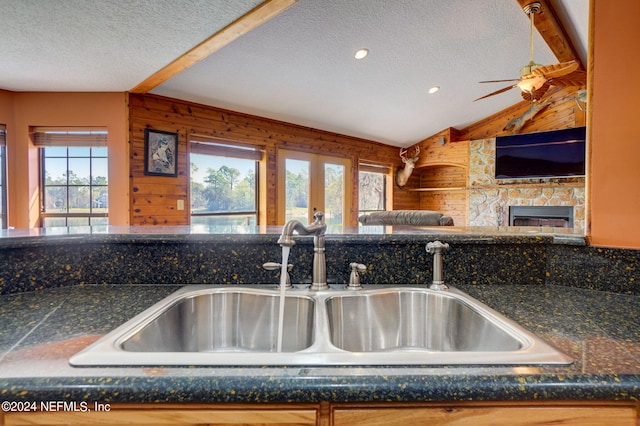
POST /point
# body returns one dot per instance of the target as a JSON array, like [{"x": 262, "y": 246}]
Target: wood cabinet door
[
  {"x": 488, "y": 415},
  {"x": 174, "y": 415}
]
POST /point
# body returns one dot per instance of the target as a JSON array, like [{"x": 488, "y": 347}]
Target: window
[
  {"x": 3, "y": 177},
  {"x": 372, "y": 190},
  {"x": 313, "y": 182},
  {"x": 223, "y": 184},
  {"x": 74, "y": 176}
]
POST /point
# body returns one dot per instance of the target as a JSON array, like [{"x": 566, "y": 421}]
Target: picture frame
[{"x": 160, "y": 153}]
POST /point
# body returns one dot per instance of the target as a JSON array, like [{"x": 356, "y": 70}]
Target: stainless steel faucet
[{"x": 317, "y": 228}]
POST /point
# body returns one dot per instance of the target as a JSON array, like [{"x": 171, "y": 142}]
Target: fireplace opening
[{"x": 554, "y": 216}]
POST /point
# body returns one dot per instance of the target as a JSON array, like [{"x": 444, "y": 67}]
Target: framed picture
[{"x": 160, "y": 153}]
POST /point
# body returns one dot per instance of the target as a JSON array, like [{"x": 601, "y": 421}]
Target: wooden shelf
[
  {"x": 438, "y": 164},
  {"x": 504, "y": 186},
  {"x": 529, "y": 185},
  {"x": 455, "y": 188}
]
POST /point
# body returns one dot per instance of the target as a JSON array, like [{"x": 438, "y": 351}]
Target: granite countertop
[
  {"x": 42, "y": 329},
  {"x": 269, "y": 234}
]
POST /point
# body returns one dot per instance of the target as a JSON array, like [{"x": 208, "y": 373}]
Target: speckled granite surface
[
  {"x": 42, "y": 329},
  {"x": 392, "y": 255},
  {"x": 596, "y": 268},
  {"x": 549, "y": 282}
]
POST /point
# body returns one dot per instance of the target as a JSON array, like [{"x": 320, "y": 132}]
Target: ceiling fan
[{"x": 535, "y": 79}]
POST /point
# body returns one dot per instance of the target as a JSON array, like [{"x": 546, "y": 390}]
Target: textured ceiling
[
  {"x": 101, "y": 45},
  {"x": 297, "y": 67}
]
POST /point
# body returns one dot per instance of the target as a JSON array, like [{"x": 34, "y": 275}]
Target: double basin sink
[{"x": 400, "y": 325}]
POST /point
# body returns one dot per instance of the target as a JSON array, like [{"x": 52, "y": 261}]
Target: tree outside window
[{"x": 223, "y": 190}]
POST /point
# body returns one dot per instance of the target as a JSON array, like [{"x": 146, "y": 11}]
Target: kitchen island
[{"x": 599, "y": 329}]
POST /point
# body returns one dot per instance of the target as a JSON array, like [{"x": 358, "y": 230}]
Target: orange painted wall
[
  {"x": 614, "y": 131},
  {"x": 21, "y": 110}
]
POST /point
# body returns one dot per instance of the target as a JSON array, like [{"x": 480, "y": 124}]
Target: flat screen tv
[{"x": 559, "y": 153}]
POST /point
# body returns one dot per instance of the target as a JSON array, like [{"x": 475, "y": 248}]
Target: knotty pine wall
[
  {"x": 444, "y": 157},
  {"x": 154, "y": 199},
  {"x": 441, "y": 174},
  {"x": 562, "y": 113}
]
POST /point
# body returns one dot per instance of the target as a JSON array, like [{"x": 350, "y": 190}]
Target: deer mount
[{"x": 404, "y": 173}]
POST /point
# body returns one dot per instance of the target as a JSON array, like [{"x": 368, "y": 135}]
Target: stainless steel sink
[
  {"x": 226, "y": 321},
  {"x": 414, "y": 320},
  {"x": 400, "y": 325}
]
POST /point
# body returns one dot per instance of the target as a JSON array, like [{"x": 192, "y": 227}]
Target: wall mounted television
[{"x": 555, "y": 154}]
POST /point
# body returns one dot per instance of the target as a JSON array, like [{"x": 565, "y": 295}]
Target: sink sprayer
[{"x": 437, "y": 248}]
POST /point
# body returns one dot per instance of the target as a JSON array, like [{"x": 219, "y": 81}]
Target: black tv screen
[{"x": 559, "y": 153}]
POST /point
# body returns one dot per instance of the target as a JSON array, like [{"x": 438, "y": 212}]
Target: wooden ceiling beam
[
  {"x": 252, "y": 19},
  {"x": 553, "y": 33}
]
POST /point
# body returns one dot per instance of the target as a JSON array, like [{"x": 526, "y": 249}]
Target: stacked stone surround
[{"x": 489, "y": 199}]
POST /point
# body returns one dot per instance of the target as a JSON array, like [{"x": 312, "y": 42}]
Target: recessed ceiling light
[
  {"x": 361, "y": 53},
  {"x": 434, "y": 89}
]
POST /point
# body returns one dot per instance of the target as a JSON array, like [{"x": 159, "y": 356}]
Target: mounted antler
[{"x": 403, "y": 174}]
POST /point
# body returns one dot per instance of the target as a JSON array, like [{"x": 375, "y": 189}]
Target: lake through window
[{"x": 223, "y": 184}]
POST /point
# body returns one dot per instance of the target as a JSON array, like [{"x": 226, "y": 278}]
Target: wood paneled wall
[
  {"x": 154, "y": 199},
  {"x": 444, "y": 157},
  {"x": 562, "y": 113},
  {"x": 443, "y": 166}
]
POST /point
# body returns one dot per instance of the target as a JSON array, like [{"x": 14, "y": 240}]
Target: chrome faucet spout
[
  {"x": 286, "y": 237},
  {"x": 317, "y": 229}
]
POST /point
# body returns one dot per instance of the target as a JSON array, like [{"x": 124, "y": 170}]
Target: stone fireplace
[
  {"x": 554, "y": 216},
  {"x": 562, "y": 201}
]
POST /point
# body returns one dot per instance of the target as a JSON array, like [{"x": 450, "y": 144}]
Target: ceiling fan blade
[
  {"x": 497, "y": 92},
  {"x": 556, "y": 70},
  {"x": 498, "y": 81},
  {"x": 576, "y": 78}
]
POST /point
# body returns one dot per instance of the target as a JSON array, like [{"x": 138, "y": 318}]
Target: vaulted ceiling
[{"x": 293, "y": 60}]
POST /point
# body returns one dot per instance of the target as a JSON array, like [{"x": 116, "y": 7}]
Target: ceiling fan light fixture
[
  {"x": 530, "y": 85},
  {"x": 535, "y": 79},
  {"x": 361, "y": 53}
]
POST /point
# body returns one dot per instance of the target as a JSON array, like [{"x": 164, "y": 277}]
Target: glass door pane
[
  {"x": 334, "y": 191},
  {"x": 297, "y": 194},
  {"x": 310, "y": 183}
]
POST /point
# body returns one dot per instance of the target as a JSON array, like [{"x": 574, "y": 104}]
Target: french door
[{"x": 310, "y": 182}]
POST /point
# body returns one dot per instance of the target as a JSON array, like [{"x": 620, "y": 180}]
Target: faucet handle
[
  {"x": 272, "y": 266},
  {"x": 275, "y": 266},
  {"x": 437, "y": 247},
  {"x": 354, "y": 278}
]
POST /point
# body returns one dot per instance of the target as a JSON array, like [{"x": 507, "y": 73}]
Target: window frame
[
  {"x": 385, "y": 172},
  {"x": 226, "y": 149},
  {"x": 68, "y": 139},
  {"x": 4, "y": 208}
]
